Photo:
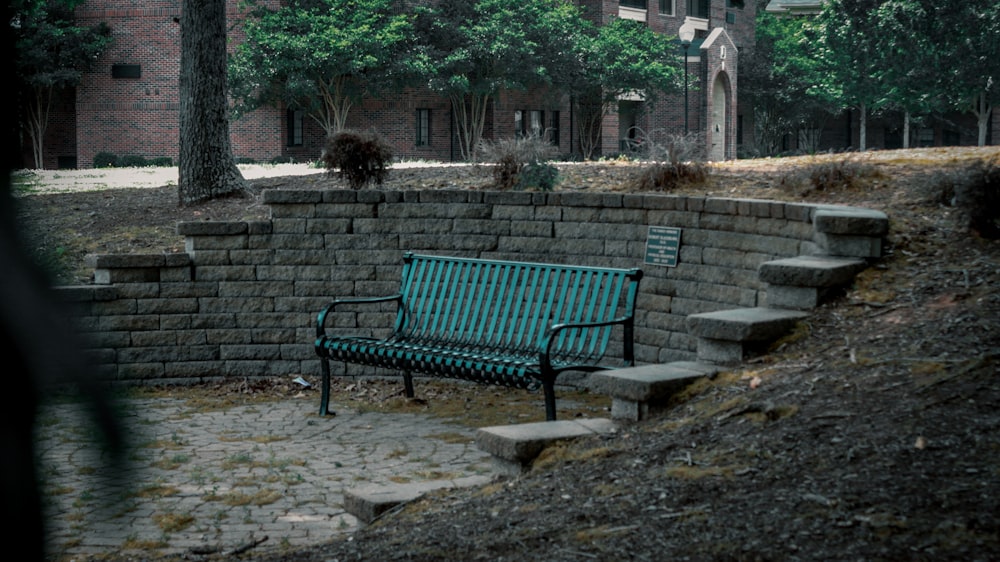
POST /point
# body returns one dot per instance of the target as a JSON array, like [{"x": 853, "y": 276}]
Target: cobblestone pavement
[{"x": 203, "y": 479}]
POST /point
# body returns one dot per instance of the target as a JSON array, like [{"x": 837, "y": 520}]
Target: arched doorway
[{"x": 719, "y": 125}]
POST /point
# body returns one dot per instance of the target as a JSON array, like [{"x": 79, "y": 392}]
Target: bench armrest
[
  {"x": 551, "y": 337},
  {"x": 321, "y": 317}
]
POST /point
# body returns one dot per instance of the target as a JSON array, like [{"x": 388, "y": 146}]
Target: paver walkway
[{"x": 203, "y": 479}]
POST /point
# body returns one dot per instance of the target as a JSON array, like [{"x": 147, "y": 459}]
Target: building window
[
  {"x": 554, "y": 127},
  {"x": 637, "y": 4},
  {"x": 698, "y": 9},
  {"x": 529, "y": 122},
  {"x": 667, "y": 7},
  {"x": 294, "y": 118},
  {"x": 536, "y": 122},
  {"x": 423, "y": 127},
  {"x": 126, "y": 71}
]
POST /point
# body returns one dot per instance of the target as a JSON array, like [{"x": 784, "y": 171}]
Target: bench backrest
[{"x": 510, "y": 305}]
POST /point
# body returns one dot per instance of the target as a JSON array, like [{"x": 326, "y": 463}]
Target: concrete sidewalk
[{"x": 207, "y": 479}]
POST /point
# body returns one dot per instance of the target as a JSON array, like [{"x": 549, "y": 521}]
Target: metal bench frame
[{"x": 508, "y": 323}]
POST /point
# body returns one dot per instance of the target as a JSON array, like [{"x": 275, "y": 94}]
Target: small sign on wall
[{"x": 663, "y": 244}]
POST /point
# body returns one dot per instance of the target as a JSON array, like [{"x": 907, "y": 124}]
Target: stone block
[
  {"x": 514, "y": 447},
  {"x": 811, "y": 271},
  {"x": 849, "y": 245},
  {"x": 720, "y": 352},
  {"x": 637, "y": 391},
  {"x": 743, "y": 324},
  {"x": 851, "y": 220},
  {"x": 797, "y": 298}
]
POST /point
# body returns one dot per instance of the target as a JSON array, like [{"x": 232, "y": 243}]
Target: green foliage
[
  {"x": 482, "y": 47},
  {"x": 109, "y": 160},
  {"x": 359, "y": 158},
  {"x": 323, "y": 56},
  {"x": 541, "y": 176},
  {"x": 781, "y": 80},
  {"x": 52, "y": 54},
  {"x": 521, "y": 163},
  {"x": 620, "y": 57},
  {"x": 132, "y": 161},
  {"x": 105, "y": 160}
]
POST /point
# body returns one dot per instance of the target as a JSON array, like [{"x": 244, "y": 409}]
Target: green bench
[{"x": 505, "y": 323}]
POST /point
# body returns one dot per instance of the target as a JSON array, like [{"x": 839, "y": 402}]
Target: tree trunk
[
  {"x": 206, "y": 167},
  {"x": 906, "y": 129},
  {"x": 863, "y": 128},
  {"x": 983, "y": 112}
]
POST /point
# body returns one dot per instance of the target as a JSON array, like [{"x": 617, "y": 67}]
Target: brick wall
[
  {"x": 242, "y": 300},
  {"x": 140, "y": 115}
]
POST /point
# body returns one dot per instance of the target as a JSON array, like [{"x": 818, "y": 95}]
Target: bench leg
[
  {"x": 408, "y": 384},
  {"x": 549, "y": 387},
  {"x": 324, "y": 400}
]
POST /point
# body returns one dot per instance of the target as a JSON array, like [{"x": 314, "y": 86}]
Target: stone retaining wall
[{"x": 242, "y": 300}]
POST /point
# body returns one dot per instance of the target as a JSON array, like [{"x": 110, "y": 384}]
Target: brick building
[{"x": 129, "y": 103}]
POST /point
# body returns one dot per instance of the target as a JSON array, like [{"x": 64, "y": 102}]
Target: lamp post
[{"x": 686, "y": 34}]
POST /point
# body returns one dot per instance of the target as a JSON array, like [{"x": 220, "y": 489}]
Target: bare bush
[
  {"x": 674, "y": 160},
  {"x": 521, "y": 163},
  {"x": 830, "y": 175},
  {"x": 978, "y": 197}
]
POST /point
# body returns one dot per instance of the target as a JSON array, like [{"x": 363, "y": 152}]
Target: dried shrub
[
  {"x": 359, "y": 158},
  {"x": 830, "y": 175},
  {"x": 675, "y": 160},
  {"x": 979, "y": 198},
  {"x": 521, "y": 163}
]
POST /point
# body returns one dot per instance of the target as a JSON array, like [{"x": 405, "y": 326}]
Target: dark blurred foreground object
[{"x": 40, "y": 352}]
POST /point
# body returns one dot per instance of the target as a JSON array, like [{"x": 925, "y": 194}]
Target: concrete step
[
  {"x": 515, "y": 447},
  {"x": 725, "y": 337},
  {"x": 369, "y": 502},
  {"x": 637, "y": 392},
  {"x": 850, "y": 231},
  {"x": 801, "y": 282}
]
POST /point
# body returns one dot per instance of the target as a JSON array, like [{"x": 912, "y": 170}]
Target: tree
[
  {"x": 481, "y": 47},
  {"x": 52, "y": 52},
  {"x": 323, "y": 56},
  {"x": 970, "y": 77},
  {"x": 615, "y": 59},
  {"x": 780, "y": 80},
  {"x": 908, "y": 58},
  {"x": 206, "y": 167},
  {"x": 849, "y": 59}
]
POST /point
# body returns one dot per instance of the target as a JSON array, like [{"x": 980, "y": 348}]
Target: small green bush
[
  {"x": 105, "y": 160},
  {"x": 542, "y": 176},
  {"x": 161, "y": 161},
  {"x": 132, "y": 161},
  {"x": 360, "y": 158}
]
